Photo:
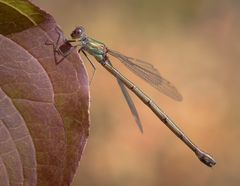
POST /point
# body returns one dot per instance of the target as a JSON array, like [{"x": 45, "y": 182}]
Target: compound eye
[{"x": 77, "y": 31}]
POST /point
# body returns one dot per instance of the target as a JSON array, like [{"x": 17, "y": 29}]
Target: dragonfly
[{"x": 142, "y": 69}]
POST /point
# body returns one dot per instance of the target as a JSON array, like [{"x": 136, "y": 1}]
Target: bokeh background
[{"x": 195, "y": 44}]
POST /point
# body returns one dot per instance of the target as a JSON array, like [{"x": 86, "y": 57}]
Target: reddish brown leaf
[{"x": 44, "y": 109}]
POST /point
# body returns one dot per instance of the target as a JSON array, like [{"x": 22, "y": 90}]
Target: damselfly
[{"x": 141, "y": 68}]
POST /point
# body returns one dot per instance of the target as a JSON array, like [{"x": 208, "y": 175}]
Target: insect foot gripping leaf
[{"x": 44, "y": 107}]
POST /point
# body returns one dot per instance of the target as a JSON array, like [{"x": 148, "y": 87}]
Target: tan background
[{"x": 195, "y": 44}]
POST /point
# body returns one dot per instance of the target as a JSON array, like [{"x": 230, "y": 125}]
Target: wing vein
[{"x": 147, "y": 72}]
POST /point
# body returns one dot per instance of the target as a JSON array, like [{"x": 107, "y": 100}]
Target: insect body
[{"x": 144, "y": 70}]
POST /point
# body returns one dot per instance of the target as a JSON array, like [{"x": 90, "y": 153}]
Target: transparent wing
[
  {"x": 148, "y": 73},
  {"x": 130, "y": 104}
]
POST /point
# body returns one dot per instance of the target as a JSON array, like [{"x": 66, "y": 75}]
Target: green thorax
[{"x": 95, "y": 48}]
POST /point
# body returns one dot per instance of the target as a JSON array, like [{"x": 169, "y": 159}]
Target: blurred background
[{"x": 195, "y": 44}]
